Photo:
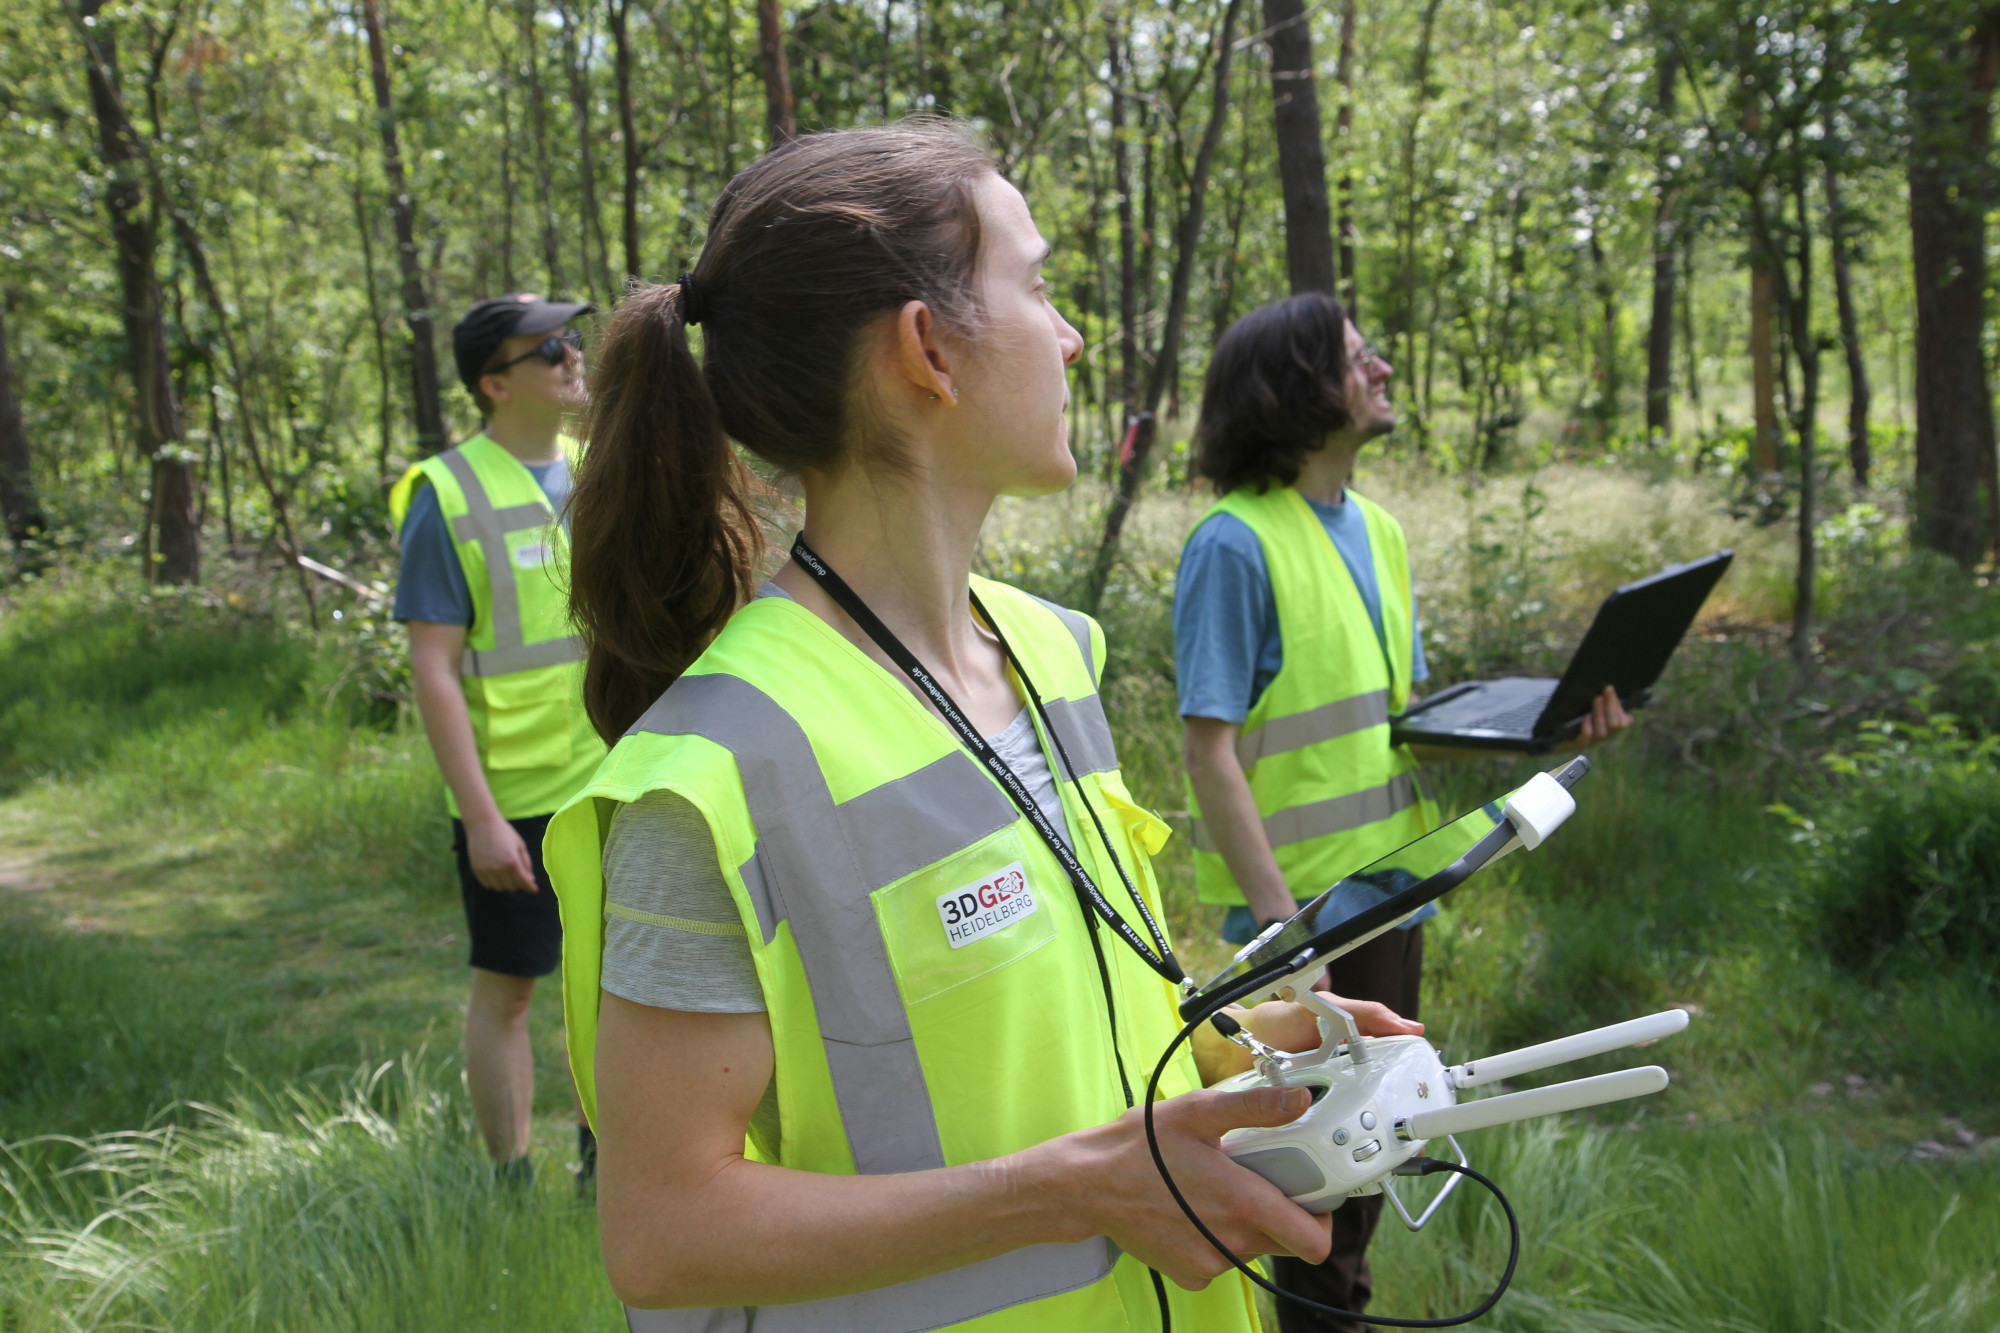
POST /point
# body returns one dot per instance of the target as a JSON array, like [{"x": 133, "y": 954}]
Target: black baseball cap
[{"x": 490, "y": 323}]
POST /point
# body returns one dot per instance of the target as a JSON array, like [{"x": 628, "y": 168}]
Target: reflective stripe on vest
[
  {"x": 843, "y": 808},
  {"x": 520, "y": 665},
  {"x": 1281, "y": 734},
  {"x": 916, "y": 1306},
  {"x": 488, "y": 526},
  {"x": 816, "y": 864},
  {"x": 1332, "y": 793}
]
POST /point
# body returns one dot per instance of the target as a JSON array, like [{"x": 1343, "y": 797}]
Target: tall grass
[
  {"x": 1740, "y": 1233},
  {"x": 230, "y": 889},
  {"x": 253, "y": 864},
  {"x": 368, "y": 1208},
  {"x": 371, "y": 1208}
]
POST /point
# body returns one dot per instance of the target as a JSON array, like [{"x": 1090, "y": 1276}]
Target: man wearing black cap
[{"x": 497, "y": 673}]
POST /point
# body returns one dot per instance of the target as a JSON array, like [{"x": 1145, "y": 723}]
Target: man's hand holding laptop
[{"x": 1607, "y": 718}]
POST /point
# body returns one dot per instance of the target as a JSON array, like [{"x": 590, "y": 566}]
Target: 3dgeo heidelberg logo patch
[
  {"x": 532, "y": 555},
  {"x": 987, "y": 906}
]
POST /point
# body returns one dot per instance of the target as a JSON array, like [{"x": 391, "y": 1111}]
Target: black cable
[
  {"x": 1076, "y": 779},
  {"x": 1159, "y": 955},
  {"x": 1089, "y": 898},
  {"x": 1430, "y": 1165}
]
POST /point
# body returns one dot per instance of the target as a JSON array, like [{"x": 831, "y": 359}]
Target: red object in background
[{"x": 1131, "y": 439}]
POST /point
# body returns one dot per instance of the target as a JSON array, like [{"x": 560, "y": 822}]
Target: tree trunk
[
  {"x": 197, "y": 259},
  {"x": 19, "y": 504},
  {"x": 1403, "y": 304},
  {"x": 888, "y": 54},
  {"x": 1342, "y": 132},
  {"x": 1690, "y": 352},
  {"x": 506, "y": 188},
  {"x": 1187, "y": 237},
  {"x": 1224, "y": 309},
  {"x": 779, "y": 123},
  {"x": 1850, "y": 332},
  {"x": 1951, "y": 125},
  {"x": 1301, "y": 154},
  {"x": 1492, "y": 425},
  {"x": 1805, "y": 346},
  {"x": 429, "y": 407},
  {"x": 628, "y": 132},
  {"x": 1660, "y": 335},
  {"x": 175, "y": 545},
  {"x": 1763, "y": 368},
  {"x": 597, "y": 276},
  {"x": 385, "y": 413},
  {"x": 538, "y": 129},
  {"x": 222, "y": 465},
  {"x": 1610, "y": 383},
  {"x": 1128, "y": 262}
]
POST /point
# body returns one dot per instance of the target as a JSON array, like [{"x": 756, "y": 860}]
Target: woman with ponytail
[{"x": 862, "y": 967}]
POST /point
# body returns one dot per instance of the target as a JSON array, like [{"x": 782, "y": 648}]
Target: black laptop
[{"x": 1628, "y": 646}]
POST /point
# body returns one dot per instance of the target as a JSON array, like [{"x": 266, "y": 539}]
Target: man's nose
[{"x": 1071, "y": 343}]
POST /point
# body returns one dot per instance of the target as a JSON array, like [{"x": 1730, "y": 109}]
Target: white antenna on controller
[{"x": 1477, "y": 1073}]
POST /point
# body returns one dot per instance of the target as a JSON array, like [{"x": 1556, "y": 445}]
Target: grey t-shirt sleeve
[{"x": 672, "y": 937}]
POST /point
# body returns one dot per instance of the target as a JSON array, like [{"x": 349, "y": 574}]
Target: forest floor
[{"x": 231, "y": 961}]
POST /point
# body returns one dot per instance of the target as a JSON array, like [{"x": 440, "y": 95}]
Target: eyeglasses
[
  {"x": 554, "y": 349},
  {"x": 1371, "y": 355}
]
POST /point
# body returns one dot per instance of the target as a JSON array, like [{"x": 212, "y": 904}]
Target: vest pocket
[
  {"x": 528, "y": 719},
  {"x": 971, "y": 914},
  {"x": 1137, "y": 836}
]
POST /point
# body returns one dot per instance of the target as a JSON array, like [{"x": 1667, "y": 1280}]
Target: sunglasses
[{"x": 554, "y": 349}]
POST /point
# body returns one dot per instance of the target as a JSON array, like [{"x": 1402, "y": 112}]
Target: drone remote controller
[{"x": 1378, "y": 1102}]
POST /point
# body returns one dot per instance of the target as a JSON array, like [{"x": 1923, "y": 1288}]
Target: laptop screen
[{"x": 1632, "y": 639}]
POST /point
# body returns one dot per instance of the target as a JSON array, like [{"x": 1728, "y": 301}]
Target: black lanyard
[{"x": 1158, "y": 956}]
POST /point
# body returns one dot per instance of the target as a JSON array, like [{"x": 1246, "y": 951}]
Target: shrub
[{"x": 1901, "y": 866}]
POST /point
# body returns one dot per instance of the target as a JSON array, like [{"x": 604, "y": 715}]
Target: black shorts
[{"x": 513, "y": 933}]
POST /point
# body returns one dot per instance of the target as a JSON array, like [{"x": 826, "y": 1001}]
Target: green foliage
[
  {"x": 1902, "y": 862},
  {"x": 1503, "y": 168},
  {"x": 1970, "y": 690},
  {"x": 84, "y": 680}
]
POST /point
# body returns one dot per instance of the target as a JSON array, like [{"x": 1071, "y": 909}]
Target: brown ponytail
[
  {"x": 806, "y": 247},
  {"x": 663, "y": 536}
]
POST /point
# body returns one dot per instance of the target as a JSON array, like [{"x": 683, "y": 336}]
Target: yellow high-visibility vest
[
  {"x": 858, "y": 839},
  {"x": 522, "y": 667},
  {"x": 1333, "y": 793}
]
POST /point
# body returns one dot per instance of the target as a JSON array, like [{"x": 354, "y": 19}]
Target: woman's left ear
[{"x": 920, "y": 355}]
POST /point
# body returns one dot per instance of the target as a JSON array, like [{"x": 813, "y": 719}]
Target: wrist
[
  {"x": 1056, "y": 1187},
  {"x": 1268, "y": 904},
  {"x": 482, "y": 819}
]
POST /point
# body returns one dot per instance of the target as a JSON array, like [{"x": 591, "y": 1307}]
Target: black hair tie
[{"x": 693, "y": 309}]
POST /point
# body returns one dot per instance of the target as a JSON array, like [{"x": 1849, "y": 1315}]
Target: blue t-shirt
[
  {"x": 1227, "y": 649},
  {"x": 431, "y": 586}
]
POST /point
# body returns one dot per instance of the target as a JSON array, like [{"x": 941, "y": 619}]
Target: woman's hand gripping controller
[{"x": 1109, "y": 1173}]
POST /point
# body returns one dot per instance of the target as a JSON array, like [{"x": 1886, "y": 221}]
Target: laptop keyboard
[{"x": 1521, "y": 718}]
